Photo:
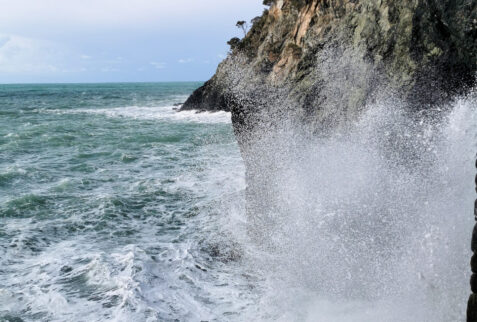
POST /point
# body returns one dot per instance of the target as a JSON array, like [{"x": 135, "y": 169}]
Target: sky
[{"x": 50, "y": 41}]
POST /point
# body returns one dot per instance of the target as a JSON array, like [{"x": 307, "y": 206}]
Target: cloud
[
  {"x": 158, "y": 65},
  {"x": 80, "y": 38},
  {"x": 37, "y": 57},
  {"x": 185, "y": 61},
  {"x": 27, "y": 55}
]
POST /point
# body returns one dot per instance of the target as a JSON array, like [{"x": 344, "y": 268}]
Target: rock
[
  {"x": 473, "y": 263},
  {"x": 209, "y": 97},
  {"x": 66, "y": 269},
  {"x": 474, "y": 239},
  {"x": 319, "y": 63},
  {"x": 475, "y": 209},
  {"x": 472, "y": 308},
  {"x": 414, "y": 45},
  {"x": 473, "y": 283}
]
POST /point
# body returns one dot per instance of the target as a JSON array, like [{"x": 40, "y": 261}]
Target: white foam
[{"x": 153, "y": 113}]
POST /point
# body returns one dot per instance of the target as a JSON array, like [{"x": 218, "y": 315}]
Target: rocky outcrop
[
  {"x": 426, "y": 49},
  {"x": 209, "y": 97},
  {"x": 319, "y": 63}
]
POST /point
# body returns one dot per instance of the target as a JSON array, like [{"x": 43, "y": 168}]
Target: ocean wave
[
  {"x": 119, "y": 214},
  {"x": 152, "y": 113},
  {"x": 26, "y": 205},
  {"x": 10, "y": 174}
]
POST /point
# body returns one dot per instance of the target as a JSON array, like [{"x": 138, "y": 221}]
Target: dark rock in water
[
  {"x": 209, "y": 97},
  {"x": 475, "y": 208},
  {"x": 473, "y": 283},
  {"x": 177, "y": 104},
  {"x": 473, "y": 263},
  {"x": 472, "y": 308},
  {"x": 66, "y": 269},
  {"x": 474, "y": 239},
  {"x": 223, "y": 252}
]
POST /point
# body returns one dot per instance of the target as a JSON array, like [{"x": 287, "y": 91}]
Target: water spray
[{"x": 472, "y": 304}]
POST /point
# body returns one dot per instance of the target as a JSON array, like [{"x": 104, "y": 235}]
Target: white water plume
[{"x": 371, "y": 223}]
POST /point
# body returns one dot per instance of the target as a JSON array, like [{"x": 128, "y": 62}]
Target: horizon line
[{"x": 101, "y": 82}]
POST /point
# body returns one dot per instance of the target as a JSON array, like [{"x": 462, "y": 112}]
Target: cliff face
[
  {"x": 413, "y": 45},
  {"x": 319, "y": 63}
]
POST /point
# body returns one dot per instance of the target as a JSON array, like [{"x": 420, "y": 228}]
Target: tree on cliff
[{"x": 242, "y": 25}]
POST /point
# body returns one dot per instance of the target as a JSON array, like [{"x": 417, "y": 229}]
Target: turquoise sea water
[
  {"x": 116, "y": 207},
  {"x": 110, "y": 205}
]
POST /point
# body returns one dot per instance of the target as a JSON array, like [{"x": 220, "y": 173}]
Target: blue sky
[{"x": 117, "y": 40}]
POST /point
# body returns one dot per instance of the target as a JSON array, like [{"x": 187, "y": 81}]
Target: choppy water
[
  {"x": 113, "y": 206},
  {"x": 110, "y": 205}
]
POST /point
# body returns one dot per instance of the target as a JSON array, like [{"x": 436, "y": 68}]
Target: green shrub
[{"x": 233, "y": 43}]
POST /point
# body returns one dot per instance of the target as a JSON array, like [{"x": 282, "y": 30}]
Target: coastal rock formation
[
  {"x": 426, "y": 49},
  {"x": 319, "y": 63}
]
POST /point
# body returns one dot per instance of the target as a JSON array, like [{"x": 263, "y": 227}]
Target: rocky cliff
[
  {"x": 426, "y": 49},
  {"x": 319, "y": 63}
]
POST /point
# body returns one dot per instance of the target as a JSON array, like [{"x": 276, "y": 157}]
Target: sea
[
  {"x": 111, "y": 205},
  {"x": 115, "y": 206}
]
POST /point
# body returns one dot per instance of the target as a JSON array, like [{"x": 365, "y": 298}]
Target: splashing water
[{"x": 367, "y": 224}]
